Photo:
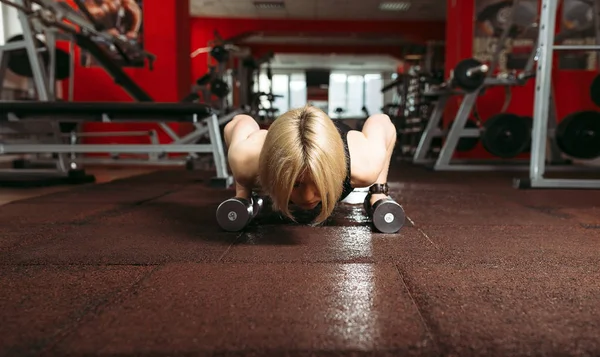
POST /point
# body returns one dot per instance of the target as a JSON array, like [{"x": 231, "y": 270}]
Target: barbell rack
[{"x": 543, "y": 91}]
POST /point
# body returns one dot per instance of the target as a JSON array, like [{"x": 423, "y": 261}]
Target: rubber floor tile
[
  {"x": 178, "y": 217},
  {"x": 260, "y": 309},
  {"x": 124, "y": 244},
  {"x": 536, "y": 309},
  {"x": 471, "y": 209},
  {"x": 41, "y": 304},
  {"x": 99, "y": 194},
  {"x": 13, "y": 237},
  {"x": 588, "y": 217},
  {"x": 197, "y": 195},
  {"x": 500, "y": 245},
  {"x": 25, "y": 214}
]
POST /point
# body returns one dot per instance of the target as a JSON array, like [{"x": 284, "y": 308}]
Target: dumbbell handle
[{"x": 477, "y": 70}]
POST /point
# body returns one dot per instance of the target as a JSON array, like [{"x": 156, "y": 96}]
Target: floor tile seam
[
  {"x": 89, "y": 313},
  {"x": 420, "y": 312}
]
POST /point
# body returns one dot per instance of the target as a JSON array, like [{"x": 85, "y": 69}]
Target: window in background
[
  {"x": 353, "y": 91},
  {"x": 264, "y": 86},
  {"x": 373, "y": 95},
  {"x": 297, "y": 90},
  {"x": 356, "y": 96},
  {"x": 281, "y": 87},
  {"x": 338, "y": 97}
]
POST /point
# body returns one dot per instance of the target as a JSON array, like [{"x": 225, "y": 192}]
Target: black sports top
[{"x": 343, "y": 129}]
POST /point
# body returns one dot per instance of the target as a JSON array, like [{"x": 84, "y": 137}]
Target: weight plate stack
[
  {"x": 506, "y": 135},
  {"x": 578, "y": 135}
]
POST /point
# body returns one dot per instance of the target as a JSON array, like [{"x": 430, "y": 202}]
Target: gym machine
[
  {"x": 218, "y": 80},
  {"x": 504, "y": 135},
  {"x": 583, "y": 128},
  {"x": 29, "y": 56},
  {"x": 69, "y": 112}
]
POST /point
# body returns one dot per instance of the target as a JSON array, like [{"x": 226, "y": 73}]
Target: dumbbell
[
  {"x": 386, "y": 214},
  {"x": 235, "y": 213}
]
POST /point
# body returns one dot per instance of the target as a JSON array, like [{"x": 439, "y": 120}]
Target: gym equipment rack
[
  {"x": 543, "y": 96},
  {"x": 40, "y": 121}
]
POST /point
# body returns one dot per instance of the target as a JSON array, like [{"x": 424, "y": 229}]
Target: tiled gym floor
[{"x": 137, "y": 266}]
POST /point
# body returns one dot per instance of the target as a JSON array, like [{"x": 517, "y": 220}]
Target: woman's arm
[
  {"x": 371, "y": 150},
  {"x": 243, "y": 150}
]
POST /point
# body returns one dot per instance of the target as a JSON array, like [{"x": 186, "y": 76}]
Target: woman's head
[{"x": 303, "y": 161}]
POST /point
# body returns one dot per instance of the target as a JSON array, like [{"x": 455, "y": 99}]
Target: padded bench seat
[{"x": 96, "y": 111}]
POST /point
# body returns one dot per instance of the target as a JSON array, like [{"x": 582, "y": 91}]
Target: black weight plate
[
  {"x": 467, "y": 144},
  {"x": 461, "y": 80},
  {"x": 530, "y": 123},
  {"x": 578, "y": 135},
  {"x": 219, "y": 88},
  {"x": 506, "y": 135},
  {"x": 595, "y": 90},
  {"x": 220, "y": 54},
  {"x": 19, "y": 64}
]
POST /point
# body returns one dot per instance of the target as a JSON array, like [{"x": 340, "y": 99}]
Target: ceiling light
[
  {"x": 394, "y": 6},
  {"x": 269, "y": 5}
]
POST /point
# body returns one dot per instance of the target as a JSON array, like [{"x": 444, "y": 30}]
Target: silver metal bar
[
  {"x": 40, "y": 77},
  {"x": 458, "y": 126},
  {"x": 565, "y": 183},
  {"x": 131, "y": 161},
  {"x": 596, "y": 9},
  {"x": 103, "y": 148},
  {"x": 109, "y": 133},
  {"x": 576, "y": 47},
  {"x": 217, "y": 147},
  {"x": 477, "y": 70},
  {"x": 71, "y": 70},
  {"x": 420, "y": 156},
  {"x": 11, "y": 46},
  {"x": 542, "y": 89},
  {"x": 172, "y": 134},
  {"x": 203, "y": 130}
]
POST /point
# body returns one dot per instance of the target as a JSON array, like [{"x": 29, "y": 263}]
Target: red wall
[{"x": 571, "y": 87}]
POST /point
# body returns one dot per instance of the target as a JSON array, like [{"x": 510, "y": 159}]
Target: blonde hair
[{"x": 303, "y": 142}]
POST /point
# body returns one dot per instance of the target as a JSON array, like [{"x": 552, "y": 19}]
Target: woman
[{"x": 306, "y": 159}]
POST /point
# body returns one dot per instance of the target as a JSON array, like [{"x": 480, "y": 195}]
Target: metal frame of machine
[
  {"x": 545, "y": 133},
  {"x": 543, "y": 97},
  {"x": 48, "y": 20},
  {"x": 22, "y": 112}
]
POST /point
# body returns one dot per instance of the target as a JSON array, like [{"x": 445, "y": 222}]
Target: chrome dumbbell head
[
  {"x": 234, "y": 214},
  {"x": 257, "y": 205},
  {"x": 387, "y": 215}
]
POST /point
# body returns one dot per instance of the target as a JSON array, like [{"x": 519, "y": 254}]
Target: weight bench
[{"x": 65, "y": 112}]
